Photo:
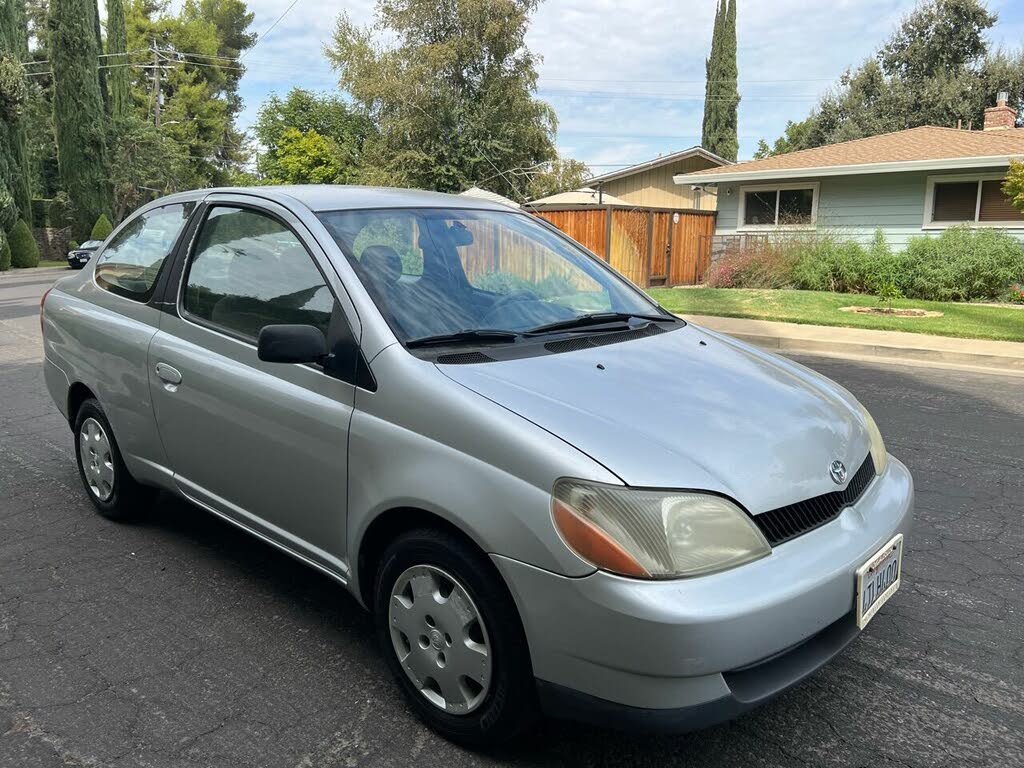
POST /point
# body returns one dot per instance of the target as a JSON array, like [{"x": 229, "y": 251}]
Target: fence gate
[{"x": 650, "y": 246}]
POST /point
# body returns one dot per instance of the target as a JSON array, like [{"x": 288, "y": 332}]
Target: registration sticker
[{"x": 878, "y": 579}]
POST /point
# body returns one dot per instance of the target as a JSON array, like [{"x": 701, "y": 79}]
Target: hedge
[
  {"x": 24, "y": 251},
  {"x": 5, "y": 253},
  {"x": 102, "y": 228},
  {"x": 962, "y": 264}
]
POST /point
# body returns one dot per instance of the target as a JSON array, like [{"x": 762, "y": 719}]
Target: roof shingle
[{"x": 928, "y": 142}]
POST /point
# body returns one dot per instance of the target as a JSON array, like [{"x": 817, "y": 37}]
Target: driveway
[{"x": 180, "y": 641}]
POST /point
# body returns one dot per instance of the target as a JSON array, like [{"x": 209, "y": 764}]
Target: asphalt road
[{"x": 181, "y": 641}]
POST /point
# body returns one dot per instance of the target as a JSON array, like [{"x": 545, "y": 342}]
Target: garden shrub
[
  {"x": 24, "y": 251},
  {"x": 102, "y": 228},
  {"x": 961, "y": 264},
  {"x": 763, "y": 264},
  {"x": 5, "y": 252},
  {"x": 74, "y": 245}
]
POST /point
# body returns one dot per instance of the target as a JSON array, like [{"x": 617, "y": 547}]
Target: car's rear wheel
[
  {"x": 108, "y": 484},
  {"x": 453, "y": 639}
]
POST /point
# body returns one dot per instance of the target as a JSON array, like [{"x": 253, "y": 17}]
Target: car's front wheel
[
  {"x": 109, "y": 485},
  {"x": 453, "y": 639}
]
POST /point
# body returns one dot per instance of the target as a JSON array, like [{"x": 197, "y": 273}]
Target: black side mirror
[{"x": 291, "y": 344}]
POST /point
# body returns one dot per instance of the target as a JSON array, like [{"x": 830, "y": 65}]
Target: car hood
[{"x": 687, "y": 409}]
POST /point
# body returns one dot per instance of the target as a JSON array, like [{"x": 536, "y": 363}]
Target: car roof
[{"x": 337, "y": 197}]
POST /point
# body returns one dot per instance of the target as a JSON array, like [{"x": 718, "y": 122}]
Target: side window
[
  {"x": 130, "y": 264},
  {"x": 248, "y": 270}
]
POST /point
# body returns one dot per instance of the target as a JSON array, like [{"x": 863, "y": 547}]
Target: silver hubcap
[
  {"x": 440, "y": 639},
  {"x": 94, "y": 448}
]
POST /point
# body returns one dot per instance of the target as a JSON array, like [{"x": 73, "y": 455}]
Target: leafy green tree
[
  {"x": 118, "y": 79},
  {"x": 451, "y": 93},
  {"x": 199, "y": 88},
  {"x": 793, "y": 137},
  {"x": 231, "y": 20},
  {"x": 720, "y": 133},
  {"x": 1013, "y": 187},
  {"x": 101, "y": 73},
  {"x": 935, "y": 69},
  {"x": 5, "y": 252},
  {"x": 341, "y": 132},
  {"x": 24, "y": 251},
  {"x": 146, "y": 163},
  {"x": 560, "y": 175},
  {"x": 302, "y": 158},
  {"x": 102, "y": 228},
  {"x": 14, "y": 92},
  {"x": 78, "y": 114}
]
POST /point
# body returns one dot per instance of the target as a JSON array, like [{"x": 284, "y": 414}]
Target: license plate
[{"x": 878, "y": 579}]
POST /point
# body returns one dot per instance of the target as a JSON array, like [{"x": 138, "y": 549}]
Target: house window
[
  {"x": 954, "y": 200},
  {"x": 775, "y": 206}
]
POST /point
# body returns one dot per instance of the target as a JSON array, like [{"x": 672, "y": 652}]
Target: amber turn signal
[{"x": 594, "y": 545}]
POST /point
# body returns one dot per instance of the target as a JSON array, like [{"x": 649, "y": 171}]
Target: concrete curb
[{"x": 881, "y": 346}]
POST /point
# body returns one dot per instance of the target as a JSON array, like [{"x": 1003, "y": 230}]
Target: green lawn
[{"x": 973, "y": 321}]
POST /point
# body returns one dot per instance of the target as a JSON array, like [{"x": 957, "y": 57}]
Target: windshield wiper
[
  {"x": 596, "y": 318},
  {"x": 463, "y": 337}
]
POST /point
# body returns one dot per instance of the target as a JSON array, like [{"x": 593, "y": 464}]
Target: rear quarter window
[{"x": 131, "y": 263}]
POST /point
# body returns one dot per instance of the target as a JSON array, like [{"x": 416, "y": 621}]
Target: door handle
[{"x": 168, "y": 374}]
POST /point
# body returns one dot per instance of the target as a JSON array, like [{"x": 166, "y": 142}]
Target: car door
[
  {"x": 262, "y": 443},
  {"x": 107, "y": 319}
]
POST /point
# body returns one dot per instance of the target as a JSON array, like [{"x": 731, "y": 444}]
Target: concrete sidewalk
[{"x": 884, "y": 346}]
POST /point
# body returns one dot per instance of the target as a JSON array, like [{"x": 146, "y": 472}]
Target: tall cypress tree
[
  {"x": 118, "y": 83},
  {"x": 78, "y": 116},
  {"x": 14, "y": 165},
  {"x": 721, "y": 93},
  {"x": 712, "y": 67},
  {"x": 100, "y": 72}
]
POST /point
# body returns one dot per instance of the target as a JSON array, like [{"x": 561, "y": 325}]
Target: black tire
[
  {"x": 127, "y": 498},
  {"x": 510, "y": 705}
]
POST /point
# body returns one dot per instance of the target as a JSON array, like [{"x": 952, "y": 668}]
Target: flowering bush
[{"x": 1017, "y": 294}]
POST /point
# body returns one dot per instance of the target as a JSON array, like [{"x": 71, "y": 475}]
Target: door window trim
[
  {"x": 361, "y": 377},
  {"x": 187, "y": 316}
]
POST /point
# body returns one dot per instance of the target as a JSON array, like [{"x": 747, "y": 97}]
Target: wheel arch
[
  {"x": 78, "y": 393},
  {"x": 384, "y": 529}
]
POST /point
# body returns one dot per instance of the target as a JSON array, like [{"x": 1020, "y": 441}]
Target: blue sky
[{"x": 626, "y": 78}]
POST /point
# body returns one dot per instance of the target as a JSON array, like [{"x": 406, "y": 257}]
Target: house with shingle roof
[{"x": 906, "y": 183}]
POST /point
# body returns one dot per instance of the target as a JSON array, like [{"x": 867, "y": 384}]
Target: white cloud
[{"x": 610, "y": 55}]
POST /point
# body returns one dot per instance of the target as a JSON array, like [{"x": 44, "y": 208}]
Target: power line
[
  {"x": 688, "y": 82},
  {"x": 269, "y": 29}
]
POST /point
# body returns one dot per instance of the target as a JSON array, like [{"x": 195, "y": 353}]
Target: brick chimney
[{"x": 1000, "y": 117}]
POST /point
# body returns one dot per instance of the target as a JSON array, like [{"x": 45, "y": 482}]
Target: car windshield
[
  {"x": 445, "y": 271},
  {"x": 91, "y": 244}
]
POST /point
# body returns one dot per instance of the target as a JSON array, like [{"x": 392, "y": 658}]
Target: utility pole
[{"x": 156, "y": 85}]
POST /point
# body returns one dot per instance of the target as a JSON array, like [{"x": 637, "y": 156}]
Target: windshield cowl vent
[
  {"x": 601, "y": 340},
  {"x": 464, "y": 358}
]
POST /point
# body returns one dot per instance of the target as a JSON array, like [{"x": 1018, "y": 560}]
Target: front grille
[
  {"x": 602, "y": 339},
  {"x": 785, "y": 523}
]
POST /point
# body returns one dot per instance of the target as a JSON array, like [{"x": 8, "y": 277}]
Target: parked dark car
[{"x": 79, "y": 257}]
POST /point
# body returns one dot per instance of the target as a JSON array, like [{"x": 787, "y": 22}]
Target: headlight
[
  {"x": 879, "y": 455},
  {"x": 654, "y": 534}
]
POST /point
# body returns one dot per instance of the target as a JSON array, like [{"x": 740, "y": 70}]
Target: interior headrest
[{"x": 381, "y": 263}]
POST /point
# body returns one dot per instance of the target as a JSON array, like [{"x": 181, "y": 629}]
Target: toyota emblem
[{"x": 837, "y": 471}]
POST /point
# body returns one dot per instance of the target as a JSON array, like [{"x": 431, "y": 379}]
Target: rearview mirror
[{"x": 291, "y": 344}]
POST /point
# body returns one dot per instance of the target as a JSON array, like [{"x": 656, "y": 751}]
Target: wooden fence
[{"x": 650, "y": 246}]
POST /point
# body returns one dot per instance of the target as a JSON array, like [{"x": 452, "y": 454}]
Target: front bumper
[{"x": 675, "y": 655}]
